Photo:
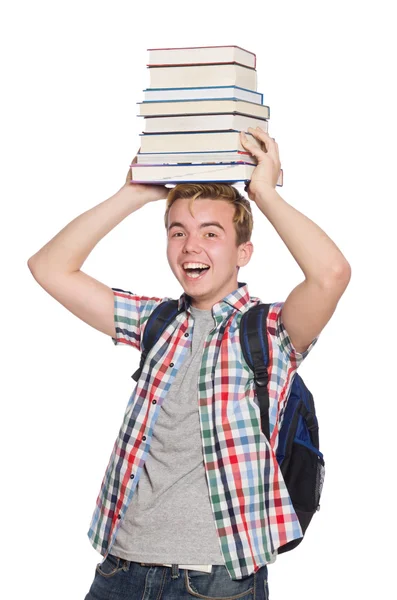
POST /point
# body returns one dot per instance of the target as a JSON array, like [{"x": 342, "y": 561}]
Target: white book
[
  {"x": 203, "y": 76},
  {"x": 194, "y": 142},
  {"x": 196, "y": 107},
  {"x": 202, "y": 123},
  {"x": 200, "y": 55},
  {"x": 224, "y": 173},
  {"x": 153, "y": 158},
  {"x": 202, "y": 93}
]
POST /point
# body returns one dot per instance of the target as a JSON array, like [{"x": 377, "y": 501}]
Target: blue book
[{"x": 202, "y": 93}]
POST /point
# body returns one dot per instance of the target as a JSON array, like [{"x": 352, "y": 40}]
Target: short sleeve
[
  {"x": 131, "y": 312},
  {"x": 276, "y": 328}
]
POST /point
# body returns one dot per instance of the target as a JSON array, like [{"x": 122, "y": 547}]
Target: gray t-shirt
[{"x": 169, "y": 518}]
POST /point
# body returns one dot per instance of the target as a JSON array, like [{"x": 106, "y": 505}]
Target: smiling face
[{"x": 208, "y": 238}]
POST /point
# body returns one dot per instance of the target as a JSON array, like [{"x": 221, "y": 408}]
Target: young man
[{"x": 211, "y": 508}]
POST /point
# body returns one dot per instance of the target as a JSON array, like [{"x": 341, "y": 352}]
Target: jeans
[{"x": 120, "y": 579}]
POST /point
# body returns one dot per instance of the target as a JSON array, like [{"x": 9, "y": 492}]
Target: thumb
[{"x": 129, "y": 174}]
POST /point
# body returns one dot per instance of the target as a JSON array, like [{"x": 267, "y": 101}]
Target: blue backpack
[{"x": 298, "y": 455}]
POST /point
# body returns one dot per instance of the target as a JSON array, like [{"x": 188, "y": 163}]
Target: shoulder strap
[
  {"x": 253, "y": 339},
  {"x": 255, "y": 348},
  {"x": 160, "y": 318}
]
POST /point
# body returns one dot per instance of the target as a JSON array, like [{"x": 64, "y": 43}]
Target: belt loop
[
  {"x": 174, "y": 571},
  {"x": 126, "y": 565}
]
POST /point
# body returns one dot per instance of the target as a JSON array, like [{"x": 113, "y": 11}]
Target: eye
[{"x": 180, "y": 232}]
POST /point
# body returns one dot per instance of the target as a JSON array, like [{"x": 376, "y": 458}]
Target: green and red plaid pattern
[{"x": 253, "y": 513}]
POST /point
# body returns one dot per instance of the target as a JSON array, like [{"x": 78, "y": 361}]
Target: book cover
[
  {"x": 201, "y": 55},
  {"x": 226, "y": 173},
  {"x": 191, "y": 123},
  {"x": 201, "y": 107},
  {"x": 198, "y": 141},
  {"x": 203, "y": 76},
  {"x": 202, "y": 93},
  {"x": 161, "y": 158}
]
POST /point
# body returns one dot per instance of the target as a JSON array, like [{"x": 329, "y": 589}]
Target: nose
[{"x": 192, "y": 244}]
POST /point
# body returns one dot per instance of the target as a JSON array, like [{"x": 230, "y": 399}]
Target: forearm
[
  {"x": 316, "y": 254},
  {"x": 67, "y": 251}
]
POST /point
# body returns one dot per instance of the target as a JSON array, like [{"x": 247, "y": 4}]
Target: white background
[{"x": 72, "y": 73}]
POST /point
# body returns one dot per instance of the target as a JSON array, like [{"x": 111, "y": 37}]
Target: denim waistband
[{"x": 204, "y": 568}]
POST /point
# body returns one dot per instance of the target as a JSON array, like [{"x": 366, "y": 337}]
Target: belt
[{"x": 204, "y": 568}]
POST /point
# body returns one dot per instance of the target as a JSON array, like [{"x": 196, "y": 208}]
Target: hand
[
  {"x": 150, "y": 191},
  {"x": 267, "y": 170},
  {"x": 128, "y": 179}
]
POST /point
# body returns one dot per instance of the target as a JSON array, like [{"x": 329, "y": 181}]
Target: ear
[{"x": 245, "y": 251}]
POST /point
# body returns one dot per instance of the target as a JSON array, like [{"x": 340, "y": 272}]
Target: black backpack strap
[
  {"x": 311, "y": 423},
  {"x": 160, "y": 318},
  {"x": 255, "y": 348}
]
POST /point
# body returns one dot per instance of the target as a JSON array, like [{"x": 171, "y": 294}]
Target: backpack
[{"x": 298, "y": 454}]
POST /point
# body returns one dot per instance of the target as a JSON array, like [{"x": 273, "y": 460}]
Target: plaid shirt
[{"x": 253, "y": 513}]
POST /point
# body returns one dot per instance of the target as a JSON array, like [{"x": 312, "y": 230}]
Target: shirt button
[
  {"x": 144, "y": 437},
  {"x": 154, "y": 401},
  {"x": 171, "y": 364},
  {"x": 132, "y": 476},
  {"x": 186, "y": 334},
  {"x": 119, "y": 516}
]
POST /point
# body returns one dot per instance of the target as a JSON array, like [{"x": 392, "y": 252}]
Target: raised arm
[{"x": 57, "y": 265}]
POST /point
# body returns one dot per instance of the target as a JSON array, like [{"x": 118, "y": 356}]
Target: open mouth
[{"x": 195, "y": 274}]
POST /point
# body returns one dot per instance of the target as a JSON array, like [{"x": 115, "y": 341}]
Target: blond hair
[{"x": 242, "y": 218}]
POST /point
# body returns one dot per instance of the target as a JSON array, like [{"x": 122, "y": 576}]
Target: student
[{"x": 211, "y": 508}]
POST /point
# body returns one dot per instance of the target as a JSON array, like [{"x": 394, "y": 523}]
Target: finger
[
  {"x": 129, "y": 174},
  {"x": 270, "y": 142},
  {"x": 252, "y": 148},
  {"x": 262, "y": 134}
]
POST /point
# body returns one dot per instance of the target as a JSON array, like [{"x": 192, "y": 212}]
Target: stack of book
[{"x": 197, "y": 102}]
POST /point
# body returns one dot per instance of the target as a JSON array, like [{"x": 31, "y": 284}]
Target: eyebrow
[{"x": 207, "y": 224}]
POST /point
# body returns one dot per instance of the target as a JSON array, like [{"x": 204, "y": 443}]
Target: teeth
[{"x": 194, "y": 265}]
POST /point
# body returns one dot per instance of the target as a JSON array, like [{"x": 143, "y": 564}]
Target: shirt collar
[{"x": 239, "y": 299}]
